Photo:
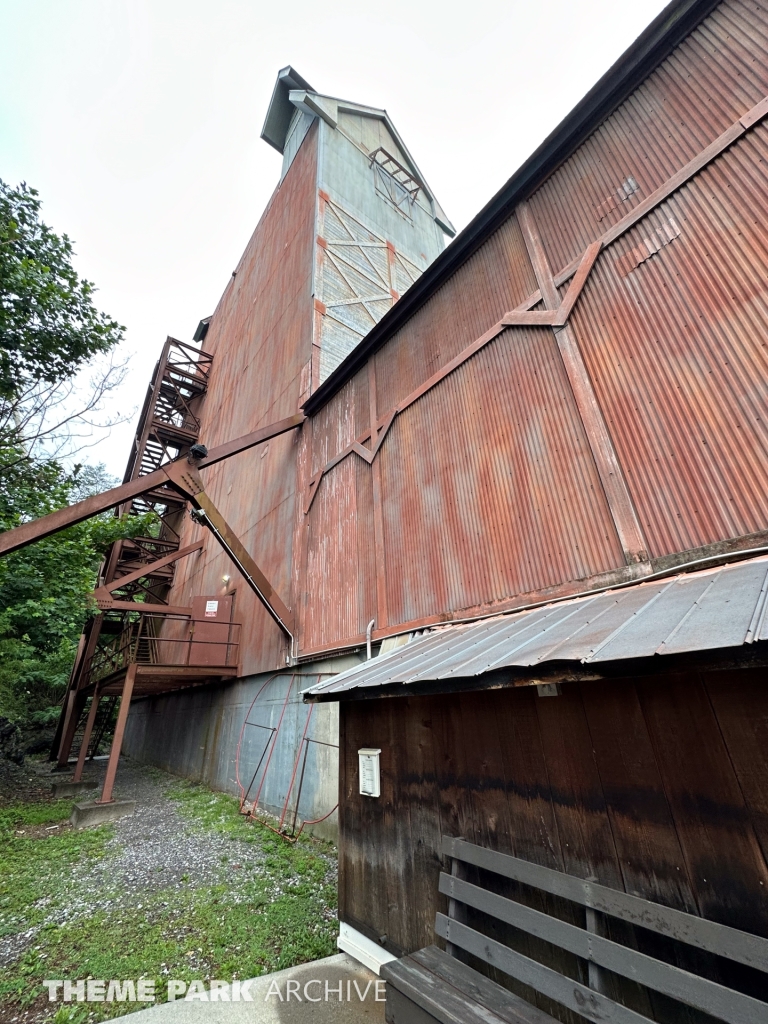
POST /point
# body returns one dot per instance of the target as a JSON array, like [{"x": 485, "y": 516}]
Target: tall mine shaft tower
[{"x": 351, "y": 225}]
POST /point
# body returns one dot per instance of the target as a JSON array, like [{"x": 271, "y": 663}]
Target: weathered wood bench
[{"x": 432, "y": 985}]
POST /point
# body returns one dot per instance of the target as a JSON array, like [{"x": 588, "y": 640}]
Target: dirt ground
[{"x": 32, "y": 781}]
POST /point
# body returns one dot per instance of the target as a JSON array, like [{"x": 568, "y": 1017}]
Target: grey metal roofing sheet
[{"x": 716, "y": 608}]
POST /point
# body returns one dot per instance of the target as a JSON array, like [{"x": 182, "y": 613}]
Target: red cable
[
  {"x": 296, "y": 767},
  {"x": 314, "y": 821},
  {"x": 242, "y": 731},
  {"x": 274, "y": 743}
]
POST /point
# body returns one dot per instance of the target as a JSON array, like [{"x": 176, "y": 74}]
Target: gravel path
[{"x": 153, "y": 849}]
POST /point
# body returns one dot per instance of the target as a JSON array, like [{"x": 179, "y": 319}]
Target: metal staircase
[{"x": 168, "y": 426}]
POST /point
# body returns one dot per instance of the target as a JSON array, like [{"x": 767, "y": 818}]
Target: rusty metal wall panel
[
  {"x": 338, "y": 580},
  {"x": 261, "y": 338},
  {"x": 497, "y": 278},
  {"x": 489, "y": 486},
  {"x": 706, "y": 84},
  {"x": 708, "y": 610},
  {"x": 334, "y": 427},
  {"x": 677, "y": 353},
  {"x": 333, "y": 579}
]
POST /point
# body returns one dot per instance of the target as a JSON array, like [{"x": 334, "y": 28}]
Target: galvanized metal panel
[
  {"x": 721, "y": 616},
  {"x": 716, "y": 608},
  {"x": 644, "y": 633},
  {"x": 200, "y": 734}
]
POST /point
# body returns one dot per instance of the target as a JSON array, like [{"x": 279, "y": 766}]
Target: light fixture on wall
[{"x": 225, "y": 579}]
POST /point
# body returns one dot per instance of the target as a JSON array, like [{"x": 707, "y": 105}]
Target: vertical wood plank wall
[{"x": 656, "y": 786}]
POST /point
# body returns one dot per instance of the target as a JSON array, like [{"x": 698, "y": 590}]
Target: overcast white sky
[{"x": 138, "y": 121}]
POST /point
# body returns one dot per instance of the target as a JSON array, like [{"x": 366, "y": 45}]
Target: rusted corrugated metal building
[
  {"x": 573, "y": 398},
  {"x": 570, "y": 399},
  {"x": 350, "y": 226}
]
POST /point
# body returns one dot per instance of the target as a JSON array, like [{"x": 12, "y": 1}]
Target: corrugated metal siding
[
  {"x": 490, "y": 488},
  {"x": 677, "y": 353},
  {"x": 332, "y": 575},
  {"x": 497, "y": 278},
  {"x": 339, "y": 580},
  {"x": 700, "y": 611},
  {"x": 261, "y": 337},
  {"x": 705, "y": 85}
]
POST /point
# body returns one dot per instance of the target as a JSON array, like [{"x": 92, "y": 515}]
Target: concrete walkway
[{"x": 344, "y": 980}]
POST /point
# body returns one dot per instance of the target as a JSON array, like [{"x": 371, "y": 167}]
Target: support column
[
  {"x": 86, "y": 736},
  {"x": 382, "y": 612},
  {"x": 117, "y": 739},
  {"x": 75, "y": 706}
]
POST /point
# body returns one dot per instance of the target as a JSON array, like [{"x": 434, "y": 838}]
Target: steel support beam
[
  {"x": 210, "y": 516},
  {"x": 148, "y": 569},
  {"x": 172, "y": 473},
  {"x": 86, "y": 736},
  {"x": 117, "y": 739},
  {"x": 75, "y": 703}
]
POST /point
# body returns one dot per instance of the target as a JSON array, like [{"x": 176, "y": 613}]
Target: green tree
[
  {"x": 45, "y": 588},
  {"x": 50, "y": 330},
  {"x": 49, "y": 325}
]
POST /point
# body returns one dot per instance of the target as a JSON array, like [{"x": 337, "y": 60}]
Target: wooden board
[{"x": 725, "y": 863}]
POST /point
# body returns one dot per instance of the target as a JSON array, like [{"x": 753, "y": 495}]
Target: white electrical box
[{"x": 370, "y": 771}]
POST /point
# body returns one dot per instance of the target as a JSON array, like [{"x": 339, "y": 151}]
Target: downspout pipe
[{"x": 368, "y": 632}]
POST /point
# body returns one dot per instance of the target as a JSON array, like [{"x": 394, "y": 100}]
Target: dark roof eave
[
  {"x": 675, "y": 22},
  {"x": 749, "y": 657}
]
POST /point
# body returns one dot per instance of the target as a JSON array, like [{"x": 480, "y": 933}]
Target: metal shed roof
[{"x": 716, "y": 608}]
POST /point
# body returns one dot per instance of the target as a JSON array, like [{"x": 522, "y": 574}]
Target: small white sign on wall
[
  {"x": 211, "y": 608},
  {"x": 370, "y": 771}
]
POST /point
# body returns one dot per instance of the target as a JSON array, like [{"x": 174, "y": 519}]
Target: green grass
[
  {"x": 280, "y": 913},
  {"x": 35, "y": 868}
]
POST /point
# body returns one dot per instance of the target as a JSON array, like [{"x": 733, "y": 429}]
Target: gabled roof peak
[
  {"x": 292, "y": 93},
  {"x": 280, "y": 110}
]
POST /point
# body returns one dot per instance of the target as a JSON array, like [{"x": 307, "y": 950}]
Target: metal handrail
[{"x": 141, "y": 642}]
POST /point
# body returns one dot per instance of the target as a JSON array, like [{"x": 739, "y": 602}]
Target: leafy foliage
[
  {"x": 49, "y": 326},
  {"x": 49, "y": 330},
  {"x": 44, "y": 588}
]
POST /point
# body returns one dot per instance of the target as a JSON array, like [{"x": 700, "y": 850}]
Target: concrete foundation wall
[{"x": 197, "y": 734}]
